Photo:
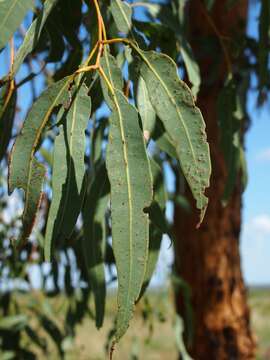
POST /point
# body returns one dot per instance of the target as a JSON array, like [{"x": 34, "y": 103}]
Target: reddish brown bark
[{"x": 208, "y": 258}]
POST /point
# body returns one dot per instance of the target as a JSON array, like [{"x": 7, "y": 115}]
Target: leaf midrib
[
  {"x": 38, "y": 136},
  {"x": 122, "y": 132},
  {"x": 179, "y": 114}
]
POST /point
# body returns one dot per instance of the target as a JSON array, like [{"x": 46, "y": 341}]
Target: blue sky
[{"x": 255, "y": 236}]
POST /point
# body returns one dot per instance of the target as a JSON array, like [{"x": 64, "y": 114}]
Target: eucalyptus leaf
[
  {"x": 33, "y": 34},
  {"x": 121, "y": 12},
  {"x": 131, "y": 194},
  {"x": 94, "y": 239},
  {"x": 12, "y": 13},
  {"x": 155, "y": 232},
  {"x": 68, "y": 171},
  {"x": 174, "y": 104},
  {"x": 145, "y": 107},
  {"x": 23, "y": 150},
  {"x": 33, "y": 194}
]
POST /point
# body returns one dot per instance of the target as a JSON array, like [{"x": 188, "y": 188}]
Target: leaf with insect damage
[
  {"x": 131, "y": 194},
  {"x": 22, "y": 161},
  {"x": 33, "y": 196},
  {"x": 174, "y": 104}
]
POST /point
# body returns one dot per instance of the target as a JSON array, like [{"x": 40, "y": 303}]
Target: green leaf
[
  {"x": 131, "y": 194},
  {"x": 174, "y": 104},
  {"x": 33, "y": 34},
  {"x": 26, "y": 142},
  {"x": 163, "y": 140},
  {"x": 12, "y": 13},
  {"x": 121, "y": 12},
  {"x": 155, "y": 232},
  {"x": 94, "y": 239},
  {"x": 109, "y": 65},
  {"x": 176, "y": 24},
  {"x": 7, "y": 114},
  {"x": 145, "y": 108},
  {"x": 68, "y": 171},
  {"x": 191, "y": 65},
  {"x": 24, "y": 171},
  {"x": 33, "y": 194}
]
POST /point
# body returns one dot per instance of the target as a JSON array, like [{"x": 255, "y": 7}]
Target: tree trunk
[{"x": 208, "y": 258}]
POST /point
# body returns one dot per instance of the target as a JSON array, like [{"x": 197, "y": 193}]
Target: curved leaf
[
  {"x": 174, "y": 104},
  {"x": 12, "y": 13},
  {"x": 33, "y": 34},
  {"x": 22, "y": 153},
  {"x": 68, "y": 171},
  {"x": 95, "y": 236},
  {"x": 33, "y": 193}
]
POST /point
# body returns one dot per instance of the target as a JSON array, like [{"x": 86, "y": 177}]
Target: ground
[{"x": 154, "y": 339}]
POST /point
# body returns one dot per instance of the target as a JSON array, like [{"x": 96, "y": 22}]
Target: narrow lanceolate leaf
[
  {"x": 94, "y": 240},
  {"x": 68, "y": 171},
  {"x": 121, "y": 12},
  {"x": 24, "y": 171},
  {"x": 32, "y": 36},
  {"x": 131, "y": 194},
  {"x": 145, "y": 108},
  {"x": 112, "y": 71},
  {"x": 33, "y": 193},
  {"x": 59, "y": 171},
  {"x": 174, "y": 104},
  {"x": 12, "y": 13},
  {"x": 155, "y": 236},
  {"x": 25, "y": 145},
  {"x": 7, "y": 114}
]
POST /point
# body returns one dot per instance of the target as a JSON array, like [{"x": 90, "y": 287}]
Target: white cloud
[
  {"x": 263, "y": 155},
  {"x": 255, "y": 249},
  {"x": 259, "y": 225}
]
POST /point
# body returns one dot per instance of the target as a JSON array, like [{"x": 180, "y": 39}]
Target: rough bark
[{"x": 208, "y": 258}]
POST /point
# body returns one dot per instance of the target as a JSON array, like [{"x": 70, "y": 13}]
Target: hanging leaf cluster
[{"x": 104, "y": 173}]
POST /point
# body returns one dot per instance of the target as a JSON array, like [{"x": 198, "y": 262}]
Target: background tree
[{"x": 86, "y": 54}]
